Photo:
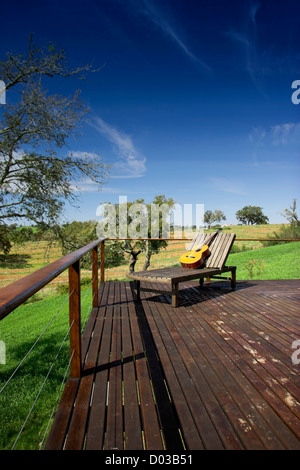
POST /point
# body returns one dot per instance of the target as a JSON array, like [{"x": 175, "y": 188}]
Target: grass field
[
  {"x": 39, "y": 381},
  {"x": 50, "y": 354},
  {"x": 25, "y": 259}
]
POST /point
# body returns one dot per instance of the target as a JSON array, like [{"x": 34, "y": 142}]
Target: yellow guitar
[{"x": 195, "y": 258}]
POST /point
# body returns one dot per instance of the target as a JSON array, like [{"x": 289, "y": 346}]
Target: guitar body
[{"x": 195, "y": 259}]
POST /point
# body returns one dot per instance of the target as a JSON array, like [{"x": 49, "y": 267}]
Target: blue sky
[{"x": 193, "y": 100}]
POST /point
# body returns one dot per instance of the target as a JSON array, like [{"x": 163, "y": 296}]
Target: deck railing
[{"x": 15, "y": 294}]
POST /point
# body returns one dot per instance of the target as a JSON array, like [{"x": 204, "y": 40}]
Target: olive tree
[
  {"x": 211, "y": 217},
  {"x": 251, "y": 215},
  {"x": 37, "y": 171}
]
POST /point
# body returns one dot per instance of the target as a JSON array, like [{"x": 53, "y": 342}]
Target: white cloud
[
  {"x": 147, "y": 8},
  {"x": 283, "y": 134},
  {"x": 86, "y": 185},
  {"x": 84, "y": 155},
  {"x": 286, "y": 136},
  {"x": 226, "y": 185},
  {"x": 130, "y": 164},
  {"x": 279, "y": 134},
  {"x": 257, "y": 135}
]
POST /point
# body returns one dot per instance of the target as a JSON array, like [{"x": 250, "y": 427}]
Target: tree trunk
[
  {"x": 148, "y": 256},
  {"x": 133, "y": 259}
]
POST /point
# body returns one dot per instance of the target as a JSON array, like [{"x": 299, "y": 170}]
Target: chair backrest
[{"x": 219, "y": 248}]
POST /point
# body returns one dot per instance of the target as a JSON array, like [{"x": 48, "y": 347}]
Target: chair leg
[
  {"x": 175, "y": 295},
  {"x": 233, "y": 278},
  {"x": 201, "y": 281}
]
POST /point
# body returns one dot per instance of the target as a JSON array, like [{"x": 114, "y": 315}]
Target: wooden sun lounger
[{"x": 214, "y": 266}]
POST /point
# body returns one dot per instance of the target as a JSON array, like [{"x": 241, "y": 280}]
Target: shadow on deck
[{"x": 214, "y": 373}]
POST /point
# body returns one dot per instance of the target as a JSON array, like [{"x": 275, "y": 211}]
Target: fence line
[{"x": 190, "y": 239}]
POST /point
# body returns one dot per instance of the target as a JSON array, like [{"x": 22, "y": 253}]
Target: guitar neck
[{"x": 213, "y": 235}]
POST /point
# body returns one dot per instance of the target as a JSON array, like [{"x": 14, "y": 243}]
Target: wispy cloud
[
  {"x": 279, "y": 134},
  {"x": 283, "y": 134},
  {"x": 246, "y": 36},
  {"x": 156, "y": 16},
  {"x": 264, "y": 141},
  {"x": 85, "y": 185},
  {"x": 226, "y": 185},
  {"x": 130, "y": 164}
]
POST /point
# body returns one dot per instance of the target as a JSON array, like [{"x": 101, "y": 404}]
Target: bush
[{"x": 290, "y": 232}]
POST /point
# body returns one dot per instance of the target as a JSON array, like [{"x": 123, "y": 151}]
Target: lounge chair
[{"x": 214, "y": 266}]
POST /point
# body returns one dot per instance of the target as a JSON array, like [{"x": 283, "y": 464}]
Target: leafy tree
[
  {"x": 291, "y": 215},
  {"x": 211, "y": 217},
  {"x": 37, "y": 174},
  {"x": 287, "y": 232},
  {"x": 251, "y": 215},
  {"x": 154, "y": 223}
]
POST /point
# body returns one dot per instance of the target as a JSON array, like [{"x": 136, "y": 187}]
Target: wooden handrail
[
  {"x": 17, "y": 292},
  {"x": 189, "y": 239}
]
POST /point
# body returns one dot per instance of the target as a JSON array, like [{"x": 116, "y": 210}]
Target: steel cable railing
[{"x": 14, "y": 295}]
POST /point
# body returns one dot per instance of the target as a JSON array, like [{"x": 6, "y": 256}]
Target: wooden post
[
  {"x": 102, "y": 261},
  {"x": 95, "y": 276},
  {"x": 174, "y": 295},
  {"x": 75, "y": 319},
  {"x": 137, "y": 285}
]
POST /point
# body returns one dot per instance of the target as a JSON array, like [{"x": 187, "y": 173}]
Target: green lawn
[
  {"x": 20, "y": 330},
  {"x": 277, "y": 262}
]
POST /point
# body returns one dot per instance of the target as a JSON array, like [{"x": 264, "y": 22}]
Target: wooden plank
[
  {"x": 259, "y": 393},
  {"x": 190, "y": 433},
  {"x": 114, "y": 428},
  {"x": 207, "y": 383},
  {"x": 224, "y": 362},
  {"x": 59, "y": 428},
  {"x": 272, "y": 364},
  {"x": 176, "y": 274},
  {"x": 150, "y": 420},
  {"x": 169, "y": 422},
  {"x": 188, "y": 350},
  {"x": 132, "y": 420},
  {"x": 220, "y": 248},
  {"x": 247, "y": 422},
  {"x": 198, "y": 239},
  {"x": 96, "y": 425},
  {"x": 79, "y": 420},
  {"x": 90, "y": 324}
]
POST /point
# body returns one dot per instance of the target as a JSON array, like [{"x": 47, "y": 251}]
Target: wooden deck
[{"x": 214, "y": 373}]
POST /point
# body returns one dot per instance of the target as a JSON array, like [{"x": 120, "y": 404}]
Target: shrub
[{"x": 291, "y": 231}]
